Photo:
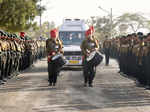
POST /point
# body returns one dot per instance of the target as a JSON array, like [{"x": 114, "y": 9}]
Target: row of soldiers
[
  {"x": 133, "y": 55},
  {"x": 18, "y": 53}
]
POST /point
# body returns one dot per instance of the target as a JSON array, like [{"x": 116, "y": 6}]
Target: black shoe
[
  {"x": 50, "y": 84},
  {"x": 4, "y": 80},
  {"x": 9, "y": 77},
  {"x": 1, "y": 83},
  {"x": 147, "y": 87},
  {"x": 90, "y": 85},
  {"x": 85, "y": 85},
  {"x": 139, "y": 85}
]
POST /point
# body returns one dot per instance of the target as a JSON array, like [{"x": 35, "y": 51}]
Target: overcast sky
[{"x": 59, "y": 9}]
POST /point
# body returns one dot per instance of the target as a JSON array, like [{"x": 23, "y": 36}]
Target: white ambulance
[{"x": 72, "y": 33}]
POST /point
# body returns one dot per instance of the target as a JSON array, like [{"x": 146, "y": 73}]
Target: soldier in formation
[
  {"x": 133, "y": 55},
  {"x": 17, "y": 53},
  {"x": 106, "y": 49}
]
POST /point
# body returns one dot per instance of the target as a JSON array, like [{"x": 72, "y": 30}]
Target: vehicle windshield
[{"x": 71, "y": 38}]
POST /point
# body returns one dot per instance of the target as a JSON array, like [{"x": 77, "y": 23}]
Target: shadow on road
[
  {"x": 35, "y": 69},
  {"x": 113, "y": 96},
  {"x": 44, "y": 69},
  {"x": 72, "y": 68}
]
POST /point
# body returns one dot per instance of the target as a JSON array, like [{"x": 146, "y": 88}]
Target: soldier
[
  {"x": 28, "y": 52},
  {"x": 146, "y": 60},
  {"x": 88, "y": 45},
  {"x": 23, "y": 62},
  {"x": 12, "y": 55},
  {"x": 22, "y": 52},
  {"x": 4, "y": 58},
  {"x": 1, "y": 58},
  {"x": 141, "y": 81},
  {"x": 106, "y": 46},
  {"x": 17, "y": 48},
  {"x": 53, "y": 47},
  {"x": 121, "y": 55}
]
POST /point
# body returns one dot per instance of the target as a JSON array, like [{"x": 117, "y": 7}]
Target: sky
[{"x": 57, "y": 10}]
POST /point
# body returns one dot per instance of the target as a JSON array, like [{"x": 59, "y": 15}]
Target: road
[{"x": 29, "y": 92}]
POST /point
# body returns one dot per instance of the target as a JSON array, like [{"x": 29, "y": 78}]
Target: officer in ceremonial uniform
[
  {"x": 88, "y": 45},
  {"x": 53, "y": 46}
]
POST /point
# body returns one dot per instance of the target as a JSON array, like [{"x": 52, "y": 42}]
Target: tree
[
  {"x": 123, "y": 28},
  {"x": 18, "y": 15},
  {"x": 1, "y": 1},
  {"x": 102, "y": 26},
  {"x": 45, "y": 29},
  {"x": 133, "y": 21}
]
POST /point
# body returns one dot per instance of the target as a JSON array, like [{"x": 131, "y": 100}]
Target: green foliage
[
  {"x": 44, "y": 31},
  {"x": 1, "y": 1},
  {"x": 18, "y": 15}
]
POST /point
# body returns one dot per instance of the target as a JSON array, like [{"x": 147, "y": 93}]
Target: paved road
[{"x": 29, "y": 92}]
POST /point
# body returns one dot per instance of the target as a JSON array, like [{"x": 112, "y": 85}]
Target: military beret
[
  {"x": 134, "y": 34},
  {"x": 1, "y": 33},
  {"x": 129, "y": 35},
  {"x": 148, "y": 34},
  {"x": 140, "y": 34}
]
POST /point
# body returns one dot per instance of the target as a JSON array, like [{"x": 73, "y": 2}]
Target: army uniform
[
  {"x": 130, "y": 57},
  {"x": 28, "y": 54},
  {"x": 12, "y": 56},
  {"x": 146, "y": 61},
  {"x": 133, "y": 55},
  {"x": 5, "y": 58},
  {"x": 39, "y": 54},
  {"x": 2, "y": 62},
  {"x": 140, "y": 63},
  {"x": 22, "y": 59},
  {"x": 88, "y": 71},
  {"x": 16, "y": 54},
  {"x": 17, "y": 48},
  {"x": 53, "y": 69},
  {"x": 106, "y": 47},
  {"x": 122, "y": 51}
]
